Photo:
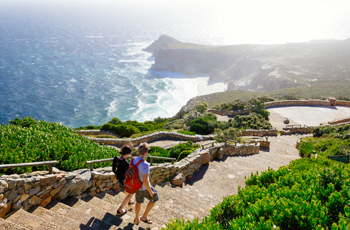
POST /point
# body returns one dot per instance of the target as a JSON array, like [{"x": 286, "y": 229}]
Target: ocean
[{"x": 81, "y": 63}]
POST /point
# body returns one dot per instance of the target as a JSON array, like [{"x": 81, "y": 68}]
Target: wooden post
[{"x": 50, "y": 169}]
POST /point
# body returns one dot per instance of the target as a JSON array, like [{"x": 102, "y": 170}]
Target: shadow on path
[{"x": 198, "y": 175}]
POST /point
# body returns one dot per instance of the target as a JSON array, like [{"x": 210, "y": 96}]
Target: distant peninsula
[{"x": 257, "y": 68}]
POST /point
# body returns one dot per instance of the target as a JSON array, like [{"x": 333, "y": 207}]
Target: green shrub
[
  {"x": 178, "y": 152},
  {"x": 27, "y": 140},
  {"x": 305, "y": 149},
  {"x": 307, "y": 194},
  {"x": 201, "y": 107},
  {"x": 251, "y": 121},
  {"x": 129, "y": 128},
  {"x": 175, "y": 124},
  {"x": 175, "y": 151},
  {"x": 158, "y": 152},
  {"x": 188, "y": 118},
  {"x": 203, "y": 125},
  {"x": 230, "y": 134},
  {"x": 184, "y": 154},
  {"x": 186, "y": 132}
]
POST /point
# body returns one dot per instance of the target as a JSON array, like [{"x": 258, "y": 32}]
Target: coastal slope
[{"x": 257, "y": 68}]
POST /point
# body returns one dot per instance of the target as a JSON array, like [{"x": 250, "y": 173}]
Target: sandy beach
[{"x": 204, "y": 87}]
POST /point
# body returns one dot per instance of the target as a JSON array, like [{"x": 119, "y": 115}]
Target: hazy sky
[{"x": 235, "y": 21}]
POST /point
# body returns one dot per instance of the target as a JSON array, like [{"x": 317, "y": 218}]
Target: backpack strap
[{"x": 137, "y": 165}]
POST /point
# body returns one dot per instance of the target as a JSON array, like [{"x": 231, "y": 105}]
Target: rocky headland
[{"x": 258, "y": 68}]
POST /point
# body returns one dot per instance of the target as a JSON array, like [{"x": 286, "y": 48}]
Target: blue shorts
[{"x": 142, "y": 194}]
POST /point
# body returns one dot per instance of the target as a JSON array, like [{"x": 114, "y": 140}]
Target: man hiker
[
  {"x": 120, "y": 166},
  {"x": 146, "y": 191}
]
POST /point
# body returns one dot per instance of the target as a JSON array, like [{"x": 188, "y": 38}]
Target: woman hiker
[{"x": 119, "y": 167}]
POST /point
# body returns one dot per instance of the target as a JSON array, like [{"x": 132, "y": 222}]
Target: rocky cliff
[{"x": 255, "y": 67}]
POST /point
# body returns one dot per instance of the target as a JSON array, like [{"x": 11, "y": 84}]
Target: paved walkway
[
  {"x": 302, "y": 115},
  {"x": 306, "y": 115}
]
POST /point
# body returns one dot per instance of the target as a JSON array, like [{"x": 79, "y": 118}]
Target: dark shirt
[{"x": 119, "y": 167}]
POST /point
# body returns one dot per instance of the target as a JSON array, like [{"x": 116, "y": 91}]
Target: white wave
[{"x": 112, "y": 107}]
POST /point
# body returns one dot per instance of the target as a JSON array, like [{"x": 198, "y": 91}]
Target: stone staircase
[{"x": 99, "y": 212}]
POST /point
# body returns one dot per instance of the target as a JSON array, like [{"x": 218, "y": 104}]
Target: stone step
[
  {"x": 185, "y": 197},
  {"x": 59, "y": 219},
  {"x": 115, "y": 198},
  {"x": 99, "y": 203},
  {"x": 96, "y": 212},
  {"x": 7, "y": 225},
  {"x": 31, "y": 221},
  {"x": 79, "y": 216}
]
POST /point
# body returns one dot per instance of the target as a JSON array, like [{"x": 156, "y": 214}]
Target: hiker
[
  {"x": 120, "y": 166},
  {"x": 146, "y": 191}
]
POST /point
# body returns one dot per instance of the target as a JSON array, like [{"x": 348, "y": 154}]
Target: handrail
[
  {"x": 211, "y": 142},
  {"x": 161, "y": 158},
  {"x": 91, "y": 163},
  {"x": 49, "y": 163}
]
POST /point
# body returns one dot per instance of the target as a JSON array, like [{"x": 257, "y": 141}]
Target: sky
[{"x": 239, "y": 21}]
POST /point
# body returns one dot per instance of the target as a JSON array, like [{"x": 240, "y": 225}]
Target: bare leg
[
  {"x": 150, "y": 205},
  {"x": 131, "y": 201},
  {"x": 125, "y": 201},
  {"x": 137, "y": 212}
]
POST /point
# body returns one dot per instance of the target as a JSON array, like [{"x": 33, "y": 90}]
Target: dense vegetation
[
  {"x": 307, "y": 194},
  {"x": 327, "y": 141},
  {"x": 318, "y": 90},
  {"x": 179, "y": 151},
  {"x": 130, "y": 128},
  {"x": 27, "y": 140}
]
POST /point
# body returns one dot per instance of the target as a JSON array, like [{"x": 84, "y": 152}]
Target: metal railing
[
  {"x": 49, "y": 163},
  {"x": 91, "y": 163}
]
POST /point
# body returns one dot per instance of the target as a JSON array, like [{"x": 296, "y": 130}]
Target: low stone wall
[
  {"x": 96, "y": 132},
  {"x": 297, "y": 103},
  {"x": 339, "y": 121},
  {"x": 281, "y": 104},
  {"x": 342, "y": 103},
  {"x": 259, "y": 133},
  {"x": 151, "y": 137},
  {"x": 40, "y": 188},
  {"x": 299, "y": 129}
]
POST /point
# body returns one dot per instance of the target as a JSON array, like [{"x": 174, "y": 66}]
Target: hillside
[
  {"x": 257, "y": 68},
  {"x": 318, "y": 90}
]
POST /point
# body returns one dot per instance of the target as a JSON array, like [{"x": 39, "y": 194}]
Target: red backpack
[{"x": 132, "y": 182}]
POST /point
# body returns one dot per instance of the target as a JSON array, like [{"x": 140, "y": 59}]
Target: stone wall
[
  {"x": 40, "y": 188},
  {"x": 147, "y": 138},
  {"x": 299, "y": 129},
  {"x": 339, "y": 121},
  {"x": 96, "y": 132},
  {"x": 259, "y": 133},
  {"x": 297, "y": 103},
  {"x": 281, "y": 104},
  {"x": 342, "y": 103}
]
